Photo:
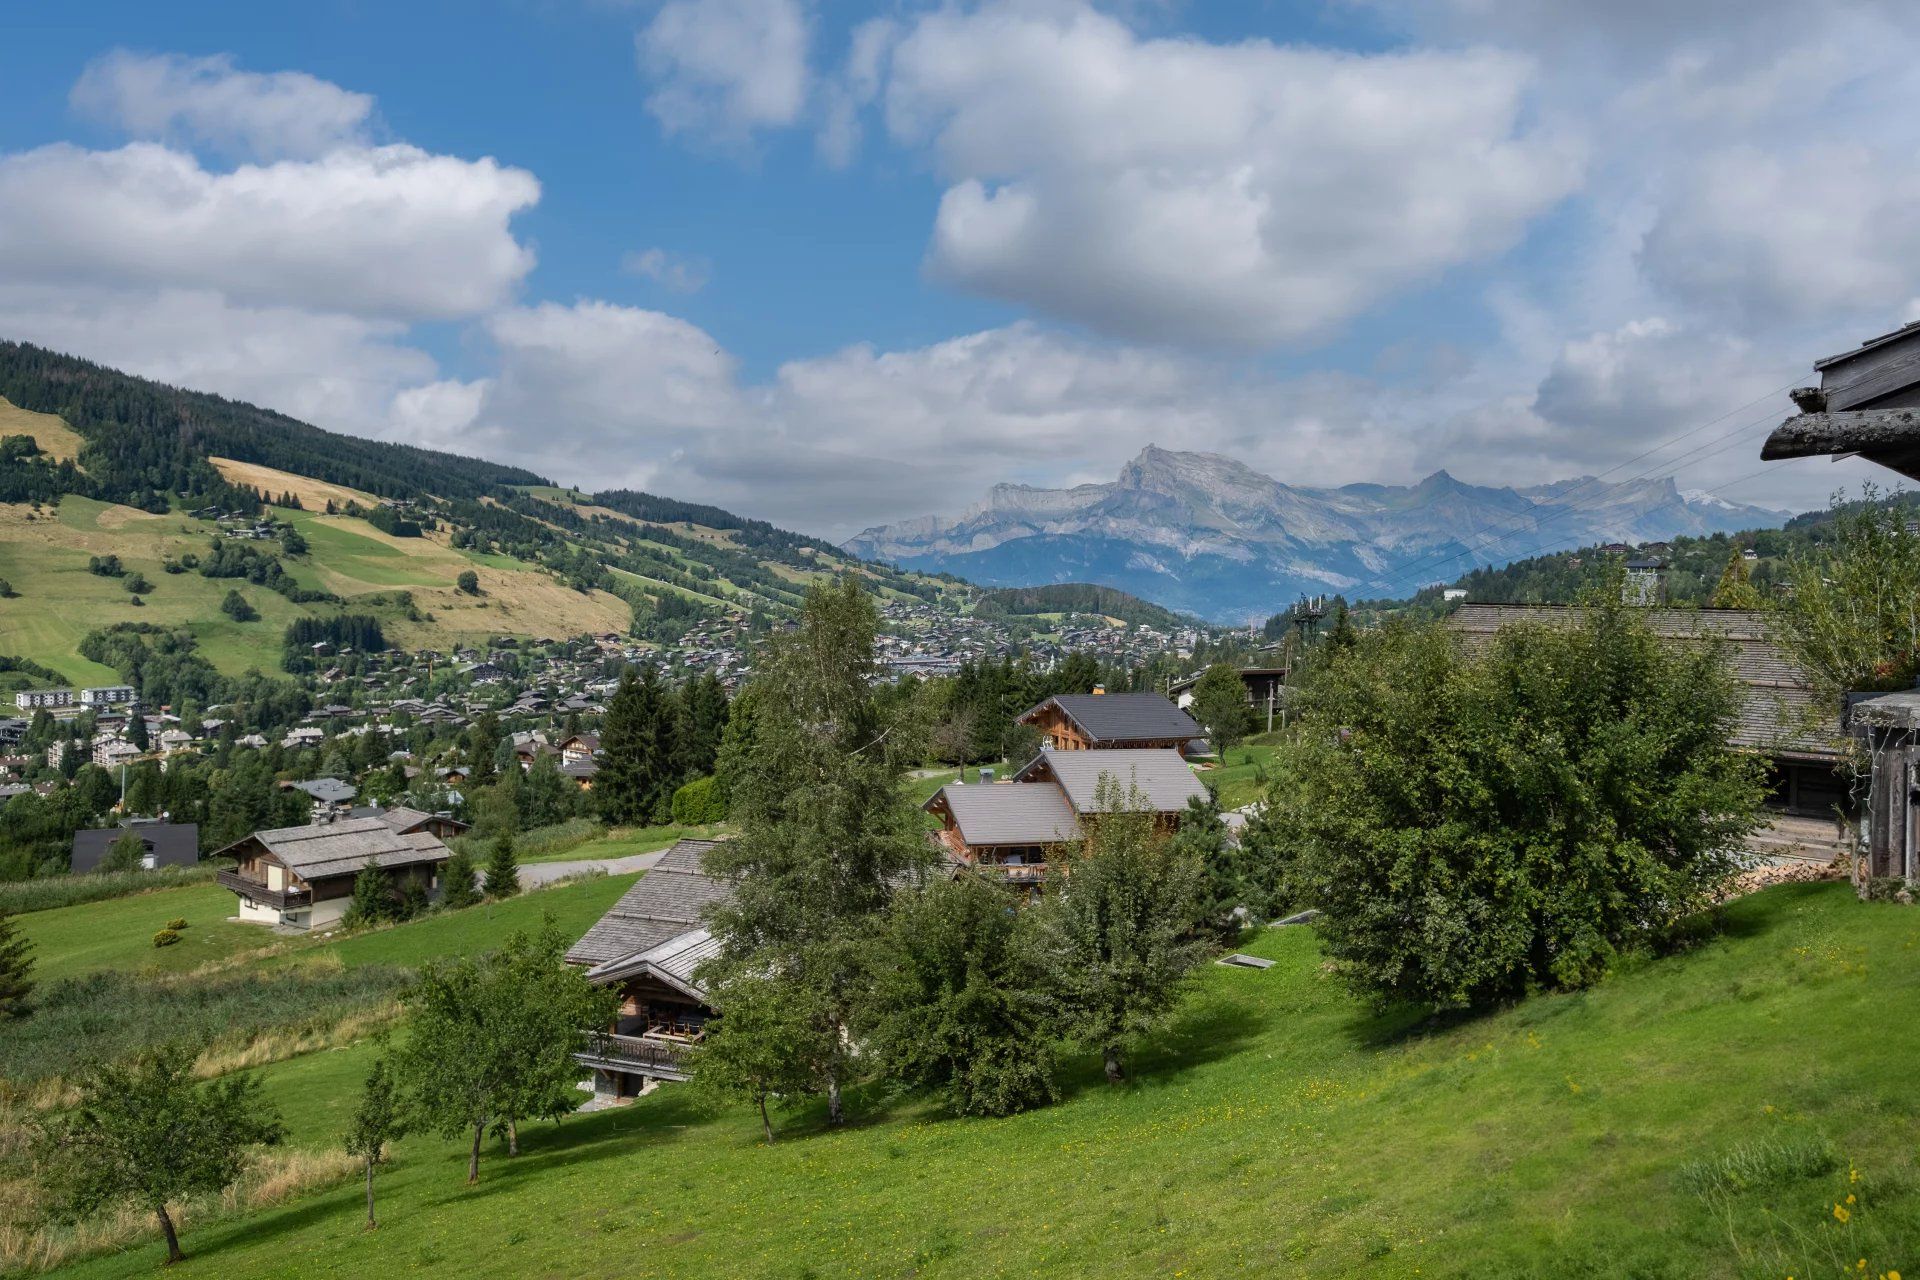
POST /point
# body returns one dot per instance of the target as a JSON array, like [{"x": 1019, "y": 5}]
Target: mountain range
[{"x": 1206, "y": 534}]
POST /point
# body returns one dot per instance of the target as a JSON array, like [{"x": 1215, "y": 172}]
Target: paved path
[{"x": 533, "y": 874}]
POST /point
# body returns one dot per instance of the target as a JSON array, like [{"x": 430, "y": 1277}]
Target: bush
[
  {"x": 177, "y": 923},
  {"x": 698, "y": 803},
  {"x": 1476, "y": 827},
  {"x": 166, "y": 937}
]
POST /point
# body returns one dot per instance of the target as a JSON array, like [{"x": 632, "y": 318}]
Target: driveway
[{"x": 534, "y": 874}]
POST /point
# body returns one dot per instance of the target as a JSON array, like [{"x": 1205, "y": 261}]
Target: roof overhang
[{"x": 1890, "y": 437}]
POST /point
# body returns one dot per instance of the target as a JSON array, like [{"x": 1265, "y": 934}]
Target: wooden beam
[{"x": 1890, "y": 437}]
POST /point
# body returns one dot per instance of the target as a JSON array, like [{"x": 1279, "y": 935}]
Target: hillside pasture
[
  {"x": 1696, "y": 1116},
  {"x": 313, "y": 494},
  {"x": 56, "y": 439}
]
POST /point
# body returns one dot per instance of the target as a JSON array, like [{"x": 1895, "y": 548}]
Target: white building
[{"x": 43, "y": 699}]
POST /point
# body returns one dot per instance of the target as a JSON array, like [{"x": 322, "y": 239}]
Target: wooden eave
[{"x": 1889, "y": 437}]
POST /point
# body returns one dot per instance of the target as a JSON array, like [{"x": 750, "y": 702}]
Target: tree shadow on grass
[{"x": 1206, "y": 1034}]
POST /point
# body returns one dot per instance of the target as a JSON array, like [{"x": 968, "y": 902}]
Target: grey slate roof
[
  {"x": 1123, "y": 717},
  {"x": 328, "y": 790},
  {"x": 664, "y": 903},
  {"x": 673, "y": 961},
  {"x": 1165, "y": 780},
  {"x": 341, "y": 848},
  {"x": 1004, "y": 813},
  {"x": 1774, "y": 716},
  {"x": 173, "y": 844}
]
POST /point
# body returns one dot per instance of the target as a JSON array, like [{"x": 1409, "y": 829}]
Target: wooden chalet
[
  {"x": 1010, "y": 827},
  {"x": 650, "y": 946},
  {"x": 1778, "y": 716},
  {"x": 1867, "y": 403},
  {"x": 302, "y": 877},
  {"x": 1127, "y": 721}
]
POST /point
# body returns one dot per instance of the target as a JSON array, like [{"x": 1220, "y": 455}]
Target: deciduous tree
[
  {"x": 148, "y": 1134},
  {"x": 378, "y": 1120},
  {"x": 1220, "y": 705}
]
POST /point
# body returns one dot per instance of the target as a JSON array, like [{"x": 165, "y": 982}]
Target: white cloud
[
  {"x": 333, "y": 370},
  {"x": 724, "y": 69},
  {"x": 669, "y": 270},
  {"x": 1241, "y": 194},
  {"x": 390, "y": 230},
  {"x": 208, "y": 101}
]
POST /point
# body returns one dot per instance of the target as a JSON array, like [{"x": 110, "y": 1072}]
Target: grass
[
  {"x": 118, "y": 933},
  {"x": 622, "y": 842},
  {"x": 1698, "y": 1116},
  {"x": 1237, "y": 778},
  {"x": 47, "y": 892}
]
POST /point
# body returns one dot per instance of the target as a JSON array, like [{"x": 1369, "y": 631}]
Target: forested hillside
[{"x": 1075, "y": 597}]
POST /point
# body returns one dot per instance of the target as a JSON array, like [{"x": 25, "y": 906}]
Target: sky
[{"x": 840, "y": 264}]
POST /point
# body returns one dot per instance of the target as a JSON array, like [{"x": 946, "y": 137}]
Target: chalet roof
[
  {"x": 1870, "y": 344},
  {"x": 325, "y": 849},
  {"x": 997, "y": 813},
  {"x": 1121, "y": 717},
  {"x": 328, "y": 790},
  {"x": 173, "y": 844},
  {"x": 1164, "y": 779},
  {"x": 667, "y": 901},
  {"x": 673, "y": 961},
  {"x": 1774, "y": 716},
  {"x": 404, "y": 819}
]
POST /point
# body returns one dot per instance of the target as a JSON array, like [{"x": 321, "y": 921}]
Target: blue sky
[{"x": 837, "y": 264}]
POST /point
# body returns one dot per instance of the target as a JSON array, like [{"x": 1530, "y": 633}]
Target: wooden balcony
[
  {"x": 254, "y": 891},
  {"x": 654, "y": 1056}
]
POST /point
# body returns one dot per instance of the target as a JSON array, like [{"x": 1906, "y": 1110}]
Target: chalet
[
  {"x": 302, "y": 877},
  {"x": 1011, "y": 826},
  {"x": 1083, "y": 721},
  {"x": 1868, "y": 402},
  {"x": 114, "y": 752},
  {"x": 303, "y": 737},
  {"x": 1778, "y": 714},
  {"x": 650, "y": 946},
  {"x": 1266, "y": 689},
  {"x": 581, "y": 746},
  {"x": 165, "y": 844},
  {"x": 327, "y": 791},
  {"x": 582, "y": 771},
  {"x": 408, "y": 821},
  {"x": 174, "y": 741}
]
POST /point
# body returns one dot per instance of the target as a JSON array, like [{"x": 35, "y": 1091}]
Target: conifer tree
[
  {"x": 16, "y": 969},
  {"x": 372, "y": 899},
  {"x": 503, "y": 868},
  {"x": 637, "y": 774},
  {"x": 457, "y": 878},
  {"x": 1736, "y": 590}
]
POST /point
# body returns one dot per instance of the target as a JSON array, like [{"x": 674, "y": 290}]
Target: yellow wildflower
[
  {"x": 1840, "y": 1212},
  {"x": 1849, "y": 1197}
]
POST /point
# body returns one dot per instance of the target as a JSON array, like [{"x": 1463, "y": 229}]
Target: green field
[{"x": 1696, "y": 1116}]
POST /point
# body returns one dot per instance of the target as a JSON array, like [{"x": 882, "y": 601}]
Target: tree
[
  {"x": 826, "y": 828},
  {"x": 136, "y": 583},
  {"x": 483, "y": 741},
  {"x": 1473, "y": 827},
  {"x": 6, "y": 590},
  {"x": 147, "y": 1133},
  {"x": 1736, "y": 590},
  {"x": 126, "y": 853},
  {"x": 766, "y": 1043},
  {"x": 503, "y": 868},
  {"x": 958, "y": 1000},
  {"x": 491, "y": 1041},
  {"x": 1119, "y": 930},
  {"x": 372, "y": 899},
  {"x": 637, "y": 773},
  {"x": 1220, "y": 705},
  {"x": 458, "y": 878},
  {"x": 235, "y": 606},
  {"x": 377, "y": 1121},
  {"x": 137, "y": 731},
  {"x": 16, "y": 969},
  {"x": 1850, "y": 621},
  {"x": 1227, "y": 881},
  {"x": 468, "y": 582}
]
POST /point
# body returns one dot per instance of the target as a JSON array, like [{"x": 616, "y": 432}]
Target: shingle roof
[
  {"x": 329, "y": 790},
  {"x": 1164, "y": 779},
  {"x": 342, "y": 848},
  {"x": 664, "y": 903},
  {"x": 1122, "y": 717},
  {"x": 1774, "y": 716},
  {"x": 674, "y": 961},
  {"x": 997, "y": 813}
]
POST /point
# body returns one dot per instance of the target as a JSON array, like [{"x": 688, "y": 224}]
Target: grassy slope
[
  {"x": 118, "y": 933},
  {"x": 50, "y": 432},
  {"x": 1282, "y": 1131}
]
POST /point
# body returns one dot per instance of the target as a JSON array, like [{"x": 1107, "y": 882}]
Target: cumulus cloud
[
  {"x": 169, "y": 97},
  {"x": 390, "y": 230},
  {"x": 723, "y": 70},
  {"x": 1243, "y": 194},
  {"x": 672, "y": 271}
]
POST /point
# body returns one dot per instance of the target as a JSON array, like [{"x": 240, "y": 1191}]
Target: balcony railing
[
  {"x": 254, "y": 891},
  {"x": 663, "y": 1059}
]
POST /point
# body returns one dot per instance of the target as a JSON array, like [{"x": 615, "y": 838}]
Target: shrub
[
  {"x": 698, "y": 803},
  {"x": 177, "y": 923},
  {"x": 1534, "y": 811},
  {"x": 166, "y": 937}
]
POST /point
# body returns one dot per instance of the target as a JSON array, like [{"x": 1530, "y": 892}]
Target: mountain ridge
[{"x": 1207, "y": 534}]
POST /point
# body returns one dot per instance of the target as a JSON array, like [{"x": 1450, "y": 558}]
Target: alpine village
[{"x": 418, "y": 864}]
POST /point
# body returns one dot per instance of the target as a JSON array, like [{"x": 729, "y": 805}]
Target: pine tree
[
  {"x": 458, "y": 880},
  {"x": 637, "y": 776},
  {"x": 16, "y": 969},
  {"x": 503, "y": 868},
  {"x": 137, "y": 731},
  {"x": 372, "y": 899},
  {"x": 1736, "y": 590}
]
